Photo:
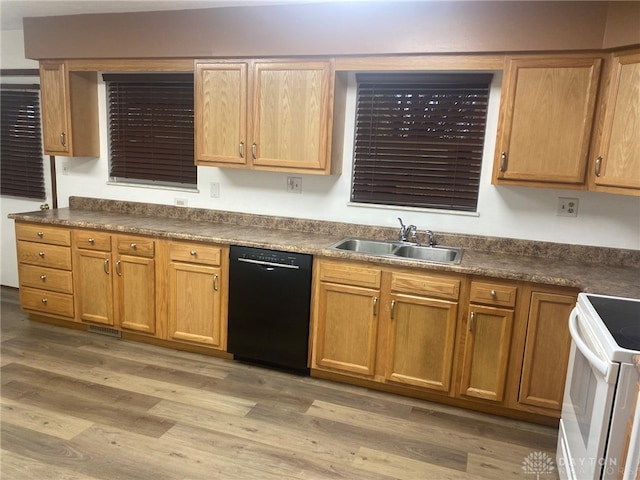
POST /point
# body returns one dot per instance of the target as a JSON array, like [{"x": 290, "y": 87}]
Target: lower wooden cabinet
[
  {"x": 197, "y": 287},
  {"x": 115, "y": 280},
  {"x": 346, "y": 318}
]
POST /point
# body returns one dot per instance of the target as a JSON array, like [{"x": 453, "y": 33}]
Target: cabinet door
[
  {"x": 195, "y": 305},
  {"x": 421, "y": 341},
  {"x": 135, "y": 293},
  {"x": 92, "y": 274},
  {"x": 54, "y": 93},
  {"x": 546, "y": 351},
  {"x": 221, "y": 113},
  {"x": 618, "y": 164},
  {"x": 486, "y": 352},
  {"x": 346, "y": 328},
  {"x": 291, "y": 115},
  {"x": 545, "y": 120}
]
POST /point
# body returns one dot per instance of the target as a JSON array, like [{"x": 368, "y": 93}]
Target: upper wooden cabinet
[
  {"x": 546, "y": 118},
  {"x": 69, "y": 111},
  {"x": 616, "y": 154},
  {"x": 265, "y": 115}
]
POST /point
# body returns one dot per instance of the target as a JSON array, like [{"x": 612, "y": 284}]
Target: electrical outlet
[
  {"x": 180, "y": 202},
  {"x": 215, "y": 190},
  {"x": 567, "y": 207},
  {"x": 65, "y": 168},
  {"x": 294, "y": 184}
]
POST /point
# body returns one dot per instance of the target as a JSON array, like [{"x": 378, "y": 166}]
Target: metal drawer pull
[
  {"x": 63, "y": 139},
  {"x": 253, "y": 150},
  {"x": 393, "y": 308},
  {"x": 44, "y": 301},
  {"x": 43, "y": 277},
  {"x": 91, "y": 240},
  {"x": 472, "y": 321},
  {"x": 41, "y": 254},
  {"x": 215, "y": 282},
  {"x": 106, "y": 266},
  {"x": 133, "y": 246},
  {"x": 118, "y": 268},
  {"x": 598, "y": 166},
  {"x": 241, "y": 149},
  {"x": 192, "y": 253},
  {"x": 40, "y": 234},
  {"x": 503, "y": 162},
  {"x": 493, "y": 293},
  {"x": 375, "y": 306}
]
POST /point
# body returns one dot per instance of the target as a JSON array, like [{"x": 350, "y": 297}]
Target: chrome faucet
[
  {"x": 431, "y": 237},
  {"x": 406, "y": 232}
]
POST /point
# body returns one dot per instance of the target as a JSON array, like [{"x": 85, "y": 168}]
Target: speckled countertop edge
[{"x": 608, "y": 271}]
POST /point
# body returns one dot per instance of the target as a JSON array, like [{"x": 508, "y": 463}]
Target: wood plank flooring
[{"x": 77, "y": 405}]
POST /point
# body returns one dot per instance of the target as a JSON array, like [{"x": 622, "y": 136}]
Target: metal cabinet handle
[
  {"x": 41, "y": 254},
  {"x": 40, "y": 234},
  {"x": 118, "y": 268},
  {"x": 63, "y": 139},
  {"x": 493, "y": 293},
  {"x": 133, "y": 245},
  {"x": 44, "y": 301},
  {"x": 253, "y": 150},
  {"x": 472, "y": 322},
  {"x": 193, "y": 253},
  {"x": 393, "y": 308},
  {"x": 91, "y": 241},
  {"x": 106, "y": 266},
  {"x": 375, "y": 306},
  {"x": 215, "y": 282},
  {"x": 43, "y": 277},
  {"x": 598, "y": 166},
  {"x": 503, "y": 162},
  {"x": 241, "y": 149}
]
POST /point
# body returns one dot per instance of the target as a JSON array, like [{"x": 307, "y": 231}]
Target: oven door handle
[{"x": 593, "y": 359}]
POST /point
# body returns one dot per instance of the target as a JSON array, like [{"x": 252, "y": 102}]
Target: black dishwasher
[{"x": 269, "y": 305}]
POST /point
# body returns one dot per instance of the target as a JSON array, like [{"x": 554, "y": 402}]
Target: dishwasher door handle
[{"x": 268, "y": 264}]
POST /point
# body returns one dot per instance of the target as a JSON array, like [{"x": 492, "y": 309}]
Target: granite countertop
[{"x": 589, "y": 269}]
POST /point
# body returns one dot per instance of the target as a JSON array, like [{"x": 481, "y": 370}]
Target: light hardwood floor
[{"x": 77, "y": 405}]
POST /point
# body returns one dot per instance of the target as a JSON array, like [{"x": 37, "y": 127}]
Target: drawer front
[
  {"x": 44, "y": 255},
  {"x": 350, "y": 274},
  {"x": 195, "y": 253},
  {"x": 136, "y": 246},
  {"x": 426, "y": 285},
  {"x": 88, "y": 240},
  {"x": 43, "y": 234},
  {"x": 493, "y": 294},
  {"x": 45, "y": 278},
  {"x": 44, "y": 301}
]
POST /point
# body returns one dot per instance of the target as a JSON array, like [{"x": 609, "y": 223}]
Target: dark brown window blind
[
  {"x": 21, "y": 154},
  {"x": 151, "y": 128},
  {"x": 419, "y": 139}
]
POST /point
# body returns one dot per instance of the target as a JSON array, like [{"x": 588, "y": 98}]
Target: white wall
[{"x": 516, "y": 212}]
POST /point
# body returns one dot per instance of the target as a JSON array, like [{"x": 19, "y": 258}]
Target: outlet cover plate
[{"x": 567, "y": 207}]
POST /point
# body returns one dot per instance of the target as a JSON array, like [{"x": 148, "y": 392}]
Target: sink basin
[
  {"x": 436, "y": 254},
  {"x": 430, "y": 254},
  {"x": 371, "y": 247}
]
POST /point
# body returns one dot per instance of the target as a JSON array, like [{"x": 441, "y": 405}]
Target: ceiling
[{"x": 13, "y": 11}]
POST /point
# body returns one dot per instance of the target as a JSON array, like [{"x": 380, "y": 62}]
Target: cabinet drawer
[
  {"x": 45, "y": 278},
  {"x": 44, "y": 255},
  {"x": 43, "y": 234},
  {"x": 195, "y": 253},
  {"x": 137, "y": 246},
  {"x": 350, "y": 274},
  {"x": 88, "y": 240},
  {"x": 493, "y": 294},
  {"x": 426, "y": 285},
  {"x": 46, "y": 302}
]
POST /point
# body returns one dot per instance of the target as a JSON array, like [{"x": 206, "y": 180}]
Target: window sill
[
  {"x": 153, "y": 186},
  {"x": 413, "y": 209}
]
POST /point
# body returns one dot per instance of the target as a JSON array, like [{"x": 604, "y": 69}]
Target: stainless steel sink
[
  {"x": 425, "y": 253},
  {"x": 430, "y": 254},
  {"x": 371, "y": 247}
]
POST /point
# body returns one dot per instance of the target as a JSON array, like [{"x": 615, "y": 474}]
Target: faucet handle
[{"x": 431, "y": 237}]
